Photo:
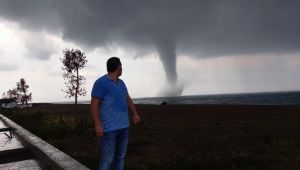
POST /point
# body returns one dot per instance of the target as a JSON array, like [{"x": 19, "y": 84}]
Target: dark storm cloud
[
  {"x": 199, "y": 28},
  {"x": 31, "y": 14}
]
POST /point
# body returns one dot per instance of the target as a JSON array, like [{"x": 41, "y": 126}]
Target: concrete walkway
[{"x": 26, "y": 151}]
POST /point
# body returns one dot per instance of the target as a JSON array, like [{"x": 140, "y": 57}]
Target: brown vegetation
[{"x": 180, "y": 136}]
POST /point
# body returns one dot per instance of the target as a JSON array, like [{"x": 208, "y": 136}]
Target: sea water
[{"x": 260, "y": 98}]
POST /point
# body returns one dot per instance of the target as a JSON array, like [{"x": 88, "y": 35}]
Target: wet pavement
[
  {"x": 26, "y": 164},
  {"x": 9, "y": 144},
  {"x": 14, "y": 154}
]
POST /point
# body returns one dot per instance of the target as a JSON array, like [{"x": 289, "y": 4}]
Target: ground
[{"x": 178, "y": 136}]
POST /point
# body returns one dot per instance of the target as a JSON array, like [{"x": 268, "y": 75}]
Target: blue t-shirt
[{"x": 113, "y": 106}]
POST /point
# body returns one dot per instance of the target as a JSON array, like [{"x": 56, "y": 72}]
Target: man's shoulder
[
  {"x": 121, "y": 81},
  {"x": 101, "y": 80}
]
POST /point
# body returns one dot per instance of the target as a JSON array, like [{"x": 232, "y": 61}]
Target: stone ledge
[{"x": 48, "y": 154}]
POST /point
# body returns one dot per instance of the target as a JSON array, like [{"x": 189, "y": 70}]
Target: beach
[{"x": 179, "y": 136}]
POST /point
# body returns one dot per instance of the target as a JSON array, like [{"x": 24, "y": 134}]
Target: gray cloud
[
  {"x": 199, "y": 28},
  {"x": 8, "y": 66},
  {"x": 31, "y": 14},
  {"x": 39, "y": 47}
]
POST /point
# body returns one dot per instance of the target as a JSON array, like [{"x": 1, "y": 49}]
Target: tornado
[{"x": 166, "y": 49}]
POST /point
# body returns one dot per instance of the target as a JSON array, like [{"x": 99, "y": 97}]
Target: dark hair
[{"x": 112, "y": 64}]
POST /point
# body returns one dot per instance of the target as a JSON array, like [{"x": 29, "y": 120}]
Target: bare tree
[
  {"x": 4, "y": 95},
  {"x": 13, "y": 94},
  {"x": 73, "y": 61},
  {"x": 22, "y": 90}
]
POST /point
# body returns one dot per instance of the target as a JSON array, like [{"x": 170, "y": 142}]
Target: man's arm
[
  {"x": 136, "y": 117},
  {"x": 95, "y": 114}
]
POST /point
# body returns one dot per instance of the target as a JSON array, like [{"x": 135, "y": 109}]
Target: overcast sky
[{"x": 167, "y": 48}]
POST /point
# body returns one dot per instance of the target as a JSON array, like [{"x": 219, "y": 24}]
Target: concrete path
[{"x": 26, "y": 164}]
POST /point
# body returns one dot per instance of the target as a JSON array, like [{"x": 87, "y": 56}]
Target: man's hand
[
  {"x": 95, "y": 114},
  {"x": 99, "y": 131},
  {"x": 136, "y": 118}
]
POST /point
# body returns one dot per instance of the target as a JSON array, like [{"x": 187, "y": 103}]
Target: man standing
[{"x": 109, "y": 106}]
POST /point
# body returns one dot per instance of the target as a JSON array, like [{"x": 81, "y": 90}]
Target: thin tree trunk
[
  {"x": 77, "y": 87},
  {"x": 77, "y": 84},
  {"x": 27, "y": 106},
  {"x": 26, "y": 101},
  {"x": 76, "y": 99}
]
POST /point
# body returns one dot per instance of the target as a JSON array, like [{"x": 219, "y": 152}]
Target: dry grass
[{"x": 180, "y": 136}]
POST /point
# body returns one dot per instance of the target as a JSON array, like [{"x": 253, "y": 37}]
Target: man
[{"x": 109, "y": 106}]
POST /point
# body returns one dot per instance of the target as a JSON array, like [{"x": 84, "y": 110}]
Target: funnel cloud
[{"x": 196, "y": 28}]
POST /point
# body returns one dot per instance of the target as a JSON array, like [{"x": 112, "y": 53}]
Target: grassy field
[{"x": 178, "y": 136}]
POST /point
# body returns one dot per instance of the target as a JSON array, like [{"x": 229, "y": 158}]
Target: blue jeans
[{"x": 113, "y": 147}]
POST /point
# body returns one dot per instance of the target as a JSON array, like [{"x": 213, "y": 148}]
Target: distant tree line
[
  {"x": 20, "y": 93},
  {"x": 73, "y": 61}
]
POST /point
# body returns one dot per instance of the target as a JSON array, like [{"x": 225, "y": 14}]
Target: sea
[{"x": 258, "y": 98}]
